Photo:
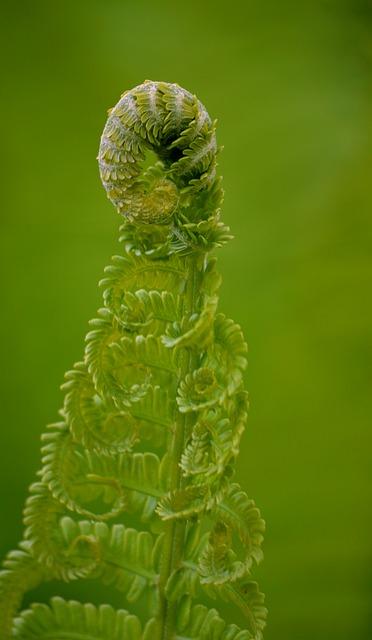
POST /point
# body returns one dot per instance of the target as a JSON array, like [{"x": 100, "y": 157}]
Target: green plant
[{"x": 136, "y": 486}]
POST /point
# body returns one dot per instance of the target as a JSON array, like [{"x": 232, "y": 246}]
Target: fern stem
[
  {"x": 21, "y": 574},
  {"x": 175, "y": 531}
]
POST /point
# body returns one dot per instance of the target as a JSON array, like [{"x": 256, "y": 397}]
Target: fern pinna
[{"x": 136, "y": 487}]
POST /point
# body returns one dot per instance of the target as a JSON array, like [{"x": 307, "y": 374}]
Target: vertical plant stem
[{"x": 175, "y": 530}]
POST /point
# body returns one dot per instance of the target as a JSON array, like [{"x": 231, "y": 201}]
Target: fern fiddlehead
[{"x": 136, "y": 485}]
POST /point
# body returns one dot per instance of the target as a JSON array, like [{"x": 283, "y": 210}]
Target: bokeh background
[{"x": 290, "y": 85}]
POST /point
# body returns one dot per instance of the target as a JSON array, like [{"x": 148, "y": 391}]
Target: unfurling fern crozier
[{"x": 136, "y": 487}]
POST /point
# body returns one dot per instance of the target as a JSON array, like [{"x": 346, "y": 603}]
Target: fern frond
[
  {"x": 76, "y": 621},
  {"x": 235, "y": 542},
  {"x": 124, "y": 384},
  {"x": 154, "y": 415},
  {"x": 151, "y": 109},
  {"x": 218, "y": 562},
  {"x": 135, "y": 488},
  {"x": 42, "y": 516},
  {"x": 241, "y": 514},
  {"x": 140, "y": 476},
  {"x": 198, "y": 124},
  {"x": 245, "y": 595},
  {"x": 201, "y": 622},
  {"x": 123, "y": 556},
  {"x": 197, "y": 158},
  {"x": 98, "y": 425},
  {"x": 146, "y": 352},
  {"x": 149, "y": 311},
  {"x": 209, "y": 449},
  {"x": 19, "y": 574},
  {"x": 131, "y": 272},
  {"x": 77, "y": 477},
  {"x": 95, "y": 423},
  {"x": 228, "y": 354},
  {"x": 183, "y": 503},
  {"x": 198, "y": 330},
  {"x": 181, "y": 109},
  {"x": 237, "y": 410}
]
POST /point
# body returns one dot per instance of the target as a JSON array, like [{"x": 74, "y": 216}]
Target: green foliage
[
  {"x": 135, "y": 488},
  {"x": 76, "y": 621}
]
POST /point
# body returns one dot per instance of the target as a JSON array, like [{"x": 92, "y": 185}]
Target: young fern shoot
[{"x": 136, "y": 487}]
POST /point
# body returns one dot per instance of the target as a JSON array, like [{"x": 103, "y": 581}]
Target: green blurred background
[{"x": 290, "y": 85}]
